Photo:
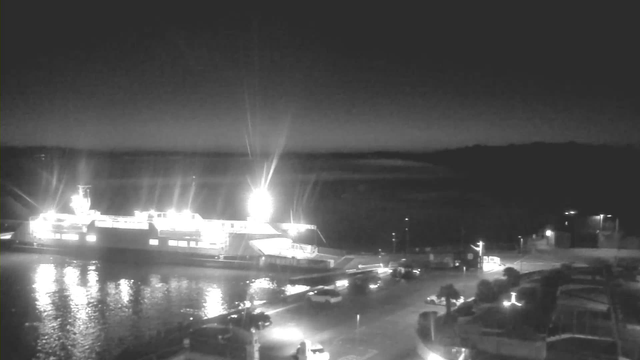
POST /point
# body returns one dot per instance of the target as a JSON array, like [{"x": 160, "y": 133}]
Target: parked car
[
  {"x": 250, "y": 320},
  {"x": 324, "y": 296},
  {"x": 435, "y": 300}
]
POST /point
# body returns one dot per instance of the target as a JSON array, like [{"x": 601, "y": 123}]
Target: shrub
[
  {"x": 449, "y": 292},
  {"x": 485, "y": 292},
  {"x": 465, "y": 309},
  {"x": 500, "y": 287},
  {"x": 512, "y": 275},
  {"x": 528, "y": 295}
]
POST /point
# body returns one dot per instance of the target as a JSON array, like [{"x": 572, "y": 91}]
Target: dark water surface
[{"x": 57, "y": 308}]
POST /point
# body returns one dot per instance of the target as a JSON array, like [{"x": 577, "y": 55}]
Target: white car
[
  {"x": 435, "y": 300},
  {"x": 313, "y": 351},
  {"x": 324, "y": 296}
]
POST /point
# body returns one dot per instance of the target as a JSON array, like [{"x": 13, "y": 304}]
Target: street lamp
[
  {"x": 393, "y": 239},
  {"x": 260, "y": 205},
  {"x": 602, "y": 219},
  {"x": 521, "y": 243},
  {"x": 480, "y": 250},
  {"x": 406, "y": 228}
]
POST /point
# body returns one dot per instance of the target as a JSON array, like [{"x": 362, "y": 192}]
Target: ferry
[{"x": 173, "y": 237}]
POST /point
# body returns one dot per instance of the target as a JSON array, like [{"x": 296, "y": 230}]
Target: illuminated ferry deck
[{"x": 183, "y": 231}]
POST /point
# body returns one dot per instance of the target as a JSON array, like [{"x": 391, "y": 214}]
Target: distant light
[
  {"x": 91, "y": 238},
  {"x": 373, "y": 286},
  {"x": 260, "y": 205},
  {"x": 548, "y": 233},
  {"x": 342, "y": 283},
  {"x": 609, "y": 215},
  {"x": 406, "y": 219},
  {"x": 154, "y": 242}
]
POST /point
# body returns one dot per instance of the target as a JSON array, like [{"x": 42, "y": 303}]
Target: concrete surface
[{"x": 387, "y": 321}]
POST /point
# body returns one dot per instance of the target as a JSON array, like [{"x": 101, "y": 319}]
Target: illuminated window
[
  {"x": 182, "y": 243},
  {"x": 91, "y": 238},
  {"x": 173, "y": 243},
  {"x": 193, "y": 244},
  {"x": 154, "y": 242},
  {"x": 69, "y": 236}
]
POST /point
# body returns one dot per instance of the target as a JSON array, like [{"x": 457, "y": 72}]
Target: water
[{"x": 58, "y": 308}]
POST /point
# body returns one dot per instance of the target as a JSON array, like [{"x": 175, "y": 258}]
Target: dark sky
[{"x": 316, "y": 77}]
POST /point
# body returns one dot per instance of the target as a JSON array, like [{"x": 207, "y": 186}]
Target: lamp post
[
  {"x": 406, "y": 229},
  {"x": 571, "y": 214},
  {"x": 393, "y": 239},
  {"x": 521, "y": 244},
  {"x": 480, "y": 250}
]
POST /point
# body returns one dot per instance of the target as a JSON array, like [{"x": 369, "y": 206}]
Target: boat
[{"x": 170, "y": 237}]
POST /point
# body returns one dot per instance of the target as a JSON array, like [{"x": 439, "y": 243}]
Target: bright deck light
[{"x": 260, "y": 205}]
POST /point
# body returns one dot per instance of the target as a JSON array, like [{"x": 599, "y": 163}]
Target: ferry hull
[{"x": 133, "y": 246}]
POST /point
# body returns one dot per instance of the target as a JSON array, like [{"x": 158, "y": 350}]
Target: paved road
[{"x": 388, "y": 320}]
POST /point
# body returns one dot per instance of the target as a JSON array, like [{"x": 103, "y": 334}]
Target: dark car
[
  {"x": 364, "y": 283},
  {"x": 250, "y": 320},
  {"x": 406, "y": 271}
]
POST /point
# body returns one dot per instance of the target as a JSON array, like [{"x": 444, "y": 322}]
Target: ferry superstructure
[{"x": 170, "y": 236}]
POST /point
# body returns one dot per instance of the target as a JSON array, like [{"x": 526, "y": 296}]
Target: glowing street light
[
  {"x": 548, "y": 233},
  {"x": 480, "y": 250},
  {"x": 260, "y": 205}
]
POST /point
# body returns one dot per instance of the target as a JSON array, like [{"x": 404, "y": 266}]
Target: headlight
[{"x": 434, "y": 356}]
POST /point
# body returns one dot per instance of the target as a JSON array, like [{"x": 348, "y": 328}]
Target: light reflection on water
[{"x": 93, "y": 310}]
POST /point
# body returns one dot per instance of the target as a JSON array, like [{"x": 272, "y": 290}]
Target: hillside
[{"x": 358, "y": 199}]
